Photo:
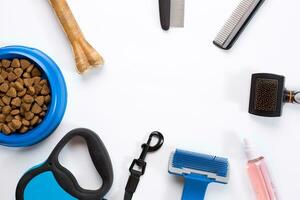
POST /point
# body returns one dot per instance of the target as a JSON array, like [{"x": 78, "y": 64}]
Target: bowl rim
[{"x": 58, "y": 97}]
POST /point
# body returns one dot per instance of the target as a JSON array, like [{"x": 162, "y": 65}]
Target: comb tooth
[
  {"x": 177, "y": 13},
  {"x": 202, "y": 162},
  {"x": 234, "y": 24}
]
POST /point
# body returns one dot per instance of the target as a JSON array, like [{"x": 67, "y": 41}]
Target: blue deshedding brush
[{"x": 198, "y": 171}]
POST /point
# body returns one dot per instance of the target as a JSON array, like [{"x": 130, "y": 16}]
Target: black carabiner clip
[{"x": 138, "y": 166}]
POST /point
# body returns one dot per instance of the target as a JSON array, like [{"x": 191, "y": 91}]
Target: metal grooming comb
[
  {"x": 171, "y": 13},
  {"x": 237, "y": 23},
  {"x": 268, "y": 95}
]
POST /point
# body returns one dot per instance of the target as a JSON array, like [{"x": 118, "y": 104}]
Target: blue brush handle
[{"x": 195, "y": 187}]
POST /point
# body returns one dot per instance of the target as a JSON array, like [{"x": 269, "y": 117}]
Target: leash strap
[
  {"x": 131, "y": 186},
  {"x": 138, "y": 166}
]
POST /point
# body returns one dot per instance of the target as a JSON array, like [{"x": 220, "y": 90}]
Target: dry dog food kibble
[{"x": 24, "y": 96}]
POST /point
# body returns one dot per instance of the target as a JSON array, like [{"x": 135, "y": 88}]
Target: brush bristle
[
  {"x": 200, "y": 162},
  {"x": 266, "y": 95},
  {"x": 234, "y": 24}
]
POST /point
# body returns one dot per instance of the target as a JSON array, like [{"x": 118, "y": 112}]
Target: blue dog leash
[{"x": 51, "y": 181}]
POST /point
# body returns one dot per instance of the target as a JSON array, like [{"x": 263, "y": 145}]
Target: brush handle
[
  {"x": 292, "y": 96},
  {"x": 165, "y": 13},
  {"x": 85, "y": 55},
  {"x": 194, "y": 188}
]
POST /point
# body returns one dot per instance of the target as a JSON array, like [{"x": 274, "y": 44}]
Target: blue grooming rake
[{"x": 198, "y": 171}]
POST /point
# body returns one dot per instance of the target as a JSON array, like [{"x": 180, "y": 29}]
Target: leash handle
[
  {"x": 99, "y": 156},
  {"x": 51, "y": 180}
]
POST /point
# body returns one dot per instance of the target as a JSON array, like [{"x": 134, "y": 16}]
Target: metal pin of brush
[
  {"x": 268, "y": 95},
  {"x": 237, "y": 23},
  {"x": 198, "y": 170},
  {"x": 171, "y": 13}
]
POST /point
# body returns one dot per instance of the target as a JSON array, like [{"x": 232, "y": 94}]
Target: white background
[{"x": 176, "y": 82}]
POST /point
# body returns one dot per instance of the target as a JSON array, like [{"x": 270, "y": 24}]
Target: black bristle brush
[{"x": 268, "y": 94}]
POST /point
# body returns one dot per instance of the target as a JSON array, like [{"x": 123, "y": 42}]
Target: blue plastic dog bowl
[{"x": 58, "y": 103}]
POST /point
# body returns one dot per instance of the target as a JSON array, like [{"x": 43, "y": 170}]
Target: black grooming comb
[
  {"x": 171, "y": 13},
  {"x": 237, "y": 23},
  {"x": 268, "y": 95}
]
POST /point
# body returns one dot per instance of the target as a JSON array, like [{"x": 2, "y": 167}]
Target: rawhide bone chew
[{"x": 85, "y": 55}]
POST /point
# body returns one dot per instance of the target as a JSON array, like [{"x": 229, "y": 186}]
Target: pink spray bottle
[{"x": 259, "y": 175}]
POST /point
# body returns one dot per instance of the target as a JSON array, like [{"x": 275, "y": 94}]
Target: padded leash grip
[{"x": 64, "y": 177}]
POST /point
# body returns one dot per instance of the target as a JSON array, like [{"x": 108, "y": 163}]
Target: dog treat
[
  {"x": 24, "y": 96},
  {"x": 86, "y": 56},
  {"x": 4, "y": 87},
  {"x": 5, "y": 63}
]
